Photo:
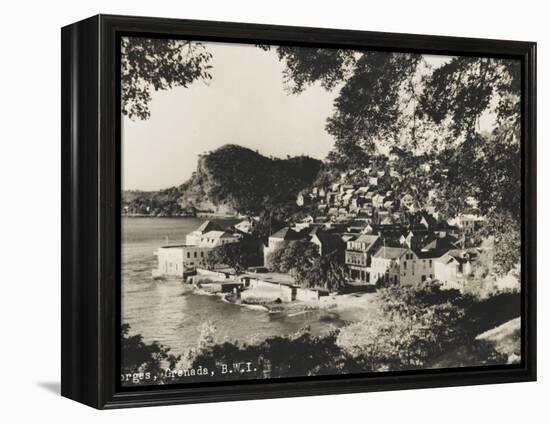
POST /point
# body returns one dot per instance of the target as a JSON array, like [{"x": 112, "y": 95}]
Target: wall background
[{"x": 30, "y": 213}]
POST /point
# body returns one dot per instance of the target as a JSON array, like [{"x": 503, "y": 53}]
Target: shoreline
[{"x": 352, "y": 305}]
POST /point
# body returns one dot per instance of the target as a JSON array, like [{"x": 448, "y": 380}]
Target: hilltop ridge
[{"x": 229, "y": 180}]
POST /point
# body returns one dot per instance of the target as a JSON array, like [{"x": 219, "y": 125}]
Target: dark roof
[
  {"x": 368, "y": 239},
  {"x": 390, "y": 252},
  {"x": 329, "y": 242},
  {"x": 448, "y": 257},
  {"x": 208, "y": 226},
  {"x": 434, "y": 247}
]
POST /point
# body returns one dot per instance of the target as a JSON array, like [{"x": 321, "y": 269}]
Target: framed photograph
[{"x": 254, "y": 211}]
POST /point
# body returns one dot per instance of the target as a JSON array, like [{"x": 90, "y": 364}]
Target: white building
[
  {"x": 452, "y": 271},
  {"x": 217, "y": 238},
  {"x": 194, "y": 237},
  {"x": 386, "y": 265},
  {"x": 177, "y": 259},
  {"x": 395, "y": 265}
]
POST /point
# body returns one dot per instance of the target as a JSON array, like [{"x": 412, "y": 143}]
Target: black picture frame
[{"x": 90, "y": 139}]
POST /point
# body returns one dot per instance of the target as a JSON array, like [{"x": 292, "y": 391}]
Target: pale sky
[{"x": 245, "y": 104}]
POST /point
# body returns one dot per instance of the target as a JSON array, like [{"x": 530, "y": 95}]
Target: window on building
[
  {"x": 195, "y": 254},
  {"x": 188, "y": 255},
  {"x": 430, "y": 262}
]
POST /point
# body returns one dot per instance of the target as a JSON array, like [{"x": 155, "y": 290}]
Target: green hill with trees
[{"x": 229, "y": 180}]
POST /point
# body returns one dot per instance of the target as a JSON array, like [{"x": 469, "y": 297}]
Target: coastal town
[
  {"x": 357, "y": 212},
  {"x": 376, "y": 229}
]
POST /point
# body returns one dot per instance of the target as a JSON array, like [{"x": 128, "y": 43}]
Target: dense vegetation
[
  {"x": 382, "y": 99},
  {"x": 301, "y": 259},
  {"x": 154, "y": 203},
  {"x": 239, "y": 256},
  {"x": 142, "y": 361},
  {"x": 409, "y": 328},
  {"x": 246, "y": 181},
  {"x": 400, "y": 100},
  {"x": 152, "y": 64},
  {"x": 231, "y": 179}
]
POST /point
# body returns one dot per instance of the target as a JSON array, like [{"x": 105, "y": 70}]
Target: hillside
[
  {"x": 234, "y": 178},
  {"x": 154, "y": 203},
  {"x": 231, "y": 179}
]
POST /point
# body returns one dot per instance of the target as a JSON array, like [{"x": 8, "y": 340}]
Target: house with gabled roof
[
  {"x": 327, "y": 243},
  {"x": 453, "y": 269},
  {"x": 359, "y": 250},
  {"x": 217, "y": 238},
  {"x": 387, "y": 264},
  {"x": 194, "y": 237},
  {"x": 277, "y": 239},
  {"x": 405, "y": 266},
  {"x": 182, "y": 258}
]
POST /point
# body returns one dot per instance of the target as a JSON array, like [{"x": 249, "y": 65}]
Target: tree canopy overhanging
[
  {"x": 435, "y": 108},
  {"x": 403, "y": 100},
  {"x": 158, "y": 64}
]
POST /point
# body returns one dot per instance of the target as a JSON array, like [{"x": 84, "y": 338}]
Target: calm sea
[{"x": 163, "y": 310}]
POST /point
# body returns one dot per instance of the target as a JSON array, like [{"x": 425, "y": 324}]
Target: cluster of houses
[
  {"x": 378, "y": 197},
  {"x": 374, "y": 225},
  {"x": 423, "y": 250}
]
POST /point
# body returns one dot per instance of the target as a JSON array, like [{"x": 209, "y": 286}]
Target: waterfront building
[
  {"x": 217, "y": 238},
  {"x": 178, "y": 259},
  {"x": 193, "y": 238}
]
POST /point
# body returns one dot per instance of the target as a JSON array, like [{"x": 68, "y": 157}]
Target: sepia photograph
[{"x": 292, "y": 211}]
